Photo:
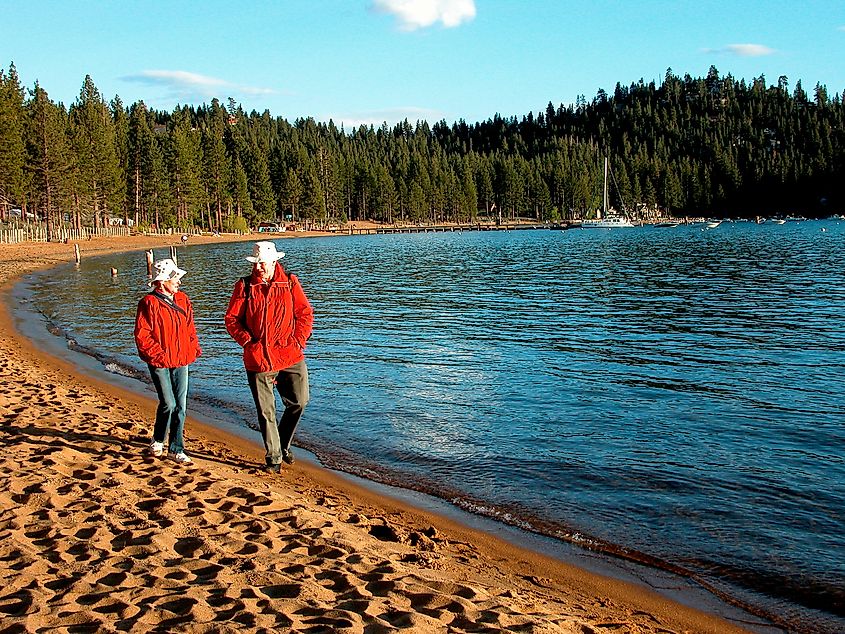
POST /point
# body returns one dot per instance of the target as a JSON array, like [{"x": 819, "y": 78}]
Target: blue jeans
[{"x": 172, "y": 388}]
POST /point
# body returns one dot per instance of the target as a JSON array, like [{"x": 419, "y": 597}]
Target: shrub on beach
[{"x": 235, "y": 224}]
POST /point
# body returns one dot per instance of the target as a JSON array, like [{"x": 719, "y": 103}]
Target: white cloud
[
  {"x": 418, "y": 14},
  {"x": 750, "y": 50},
  {"x": 743, "y": 50},
  {"x": 190, "y": 87},
  {"x": 391, "y": 116}
]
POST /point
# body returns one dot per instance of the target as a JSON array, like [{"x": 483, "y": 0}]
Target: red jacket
[
  {"x": 271, "y": 322},
  {"x": 165, "y": 333}
]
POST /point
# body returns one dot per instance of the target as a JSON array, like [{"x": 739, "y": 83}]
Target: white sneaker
[
  {"x": 181, "y": 457},
  {"x": 156, "y": 448}
]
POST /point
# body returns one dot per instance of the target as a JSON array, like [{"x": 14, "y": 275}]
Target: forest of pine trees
[{"x": 701, "y": 146}]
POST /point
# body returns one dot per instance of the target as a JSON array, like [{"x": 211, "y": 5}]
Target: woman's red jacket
[{"x": 165, "y": 333}]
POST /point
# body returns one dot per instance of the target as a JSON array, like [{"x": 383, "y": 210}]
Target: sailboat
[{"x": 607, "y": 219}]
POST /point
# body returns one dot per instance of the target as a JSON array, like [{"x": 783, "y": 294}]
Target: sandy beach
[{"x": 95, "y": 535}]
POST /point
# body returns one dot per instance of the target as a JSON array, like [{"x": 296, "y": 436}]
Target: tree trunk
[
  {"x": 137, "y": 188},
  {"x": 77, "y": 214}
]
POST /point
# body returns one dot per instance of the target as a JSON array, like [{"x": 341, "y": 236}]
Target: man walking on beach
[
  {"x": 166, "y": 338},
  {"x": 271, "y": 319}
]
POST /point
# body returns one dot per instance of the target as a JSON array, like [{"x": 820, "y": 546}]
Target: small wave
[
  {"x": 109, "y": 364},
  {"x": 493, "y": 513},
  {"x": 117, "y": 368}
]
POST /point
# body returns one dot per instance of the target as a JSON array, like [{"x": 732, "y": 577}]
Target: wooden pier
[{"x": 387, "y": 229}]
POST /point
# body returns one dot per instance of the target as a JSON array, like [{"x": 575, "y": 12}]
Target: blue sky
[{"x": 370, "y": 61}]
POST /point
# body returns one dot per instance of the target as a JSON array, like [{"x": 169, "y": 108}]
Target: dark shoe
[
  {"x": 272, "y": 468},
  {"x": 287, "y": 456}
]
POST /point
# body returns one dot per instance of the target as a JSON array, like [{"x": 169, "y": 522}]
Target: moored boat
[{"x": 607, "y": 218}]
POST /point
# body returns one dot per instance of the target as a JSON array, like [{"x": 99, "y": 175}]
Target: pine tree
[
  {"x": 139, "y": 142},
  {"x": 215, "y": 162},
  {"x": 184, "y": 161},
  {"x": 260, "y": 185},
  {"x": 313, "y": 199},
  {"x": 93, "y": 137},
  {"x": 156, "y": 194},
  {"x": 239, "y": 188},
  {"x": 50, "y": 158},
  {"x": 290, "y": 194},
  {"x": 12, "y": 145},
  {"x": 121, "y": 145},
  {"x": 469, "y": 192}
]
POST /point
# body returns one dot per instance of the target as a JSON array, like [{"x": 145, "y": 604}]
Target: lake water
[{"x": 671, "y": 396}]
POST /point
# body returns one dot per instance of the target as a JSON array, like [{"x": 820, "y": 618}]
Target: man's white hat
[
  {"x": 164, "y": 270},
  {"x": 265, "y": 252}
]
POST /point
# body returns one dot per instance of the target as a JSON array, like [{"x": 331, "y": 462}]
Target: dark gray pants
[{"x": 292, "y": 385}]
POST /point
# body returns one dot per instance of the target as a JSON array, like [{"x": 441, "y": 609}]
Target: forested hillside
[{"x": 705, "y": 146}]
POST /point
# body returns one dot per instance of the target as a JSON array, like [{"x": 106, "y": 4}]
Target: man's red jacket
[{"x": 271, "y": 321}]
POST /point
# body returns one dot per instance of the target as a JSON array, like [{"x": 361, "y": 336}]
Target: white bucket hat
[
  {"x": 265, "y": 252},
  {"x": 164, "y": 270}
]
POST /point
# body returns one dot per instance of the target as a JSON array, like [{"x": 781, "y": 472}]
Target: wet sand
[{"x": 97, "y": 536}]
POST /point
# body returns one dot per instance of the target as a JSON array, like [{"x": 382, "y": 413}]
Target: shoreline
[{"x": 295, "y": 549}]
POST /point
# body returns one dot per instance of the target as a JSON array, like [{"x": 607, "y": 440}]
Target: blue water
[{"x": 674, "y": 396}]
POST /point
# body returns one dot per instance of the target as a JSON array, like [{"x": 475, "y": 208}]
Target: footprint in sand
[
  {"x": 17, "y": 603},
  {"x": 189, "y": 546}
]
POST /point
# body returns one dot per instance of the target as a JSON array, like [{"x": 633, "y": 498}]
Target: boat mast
[{"x": 604, "y": 200}]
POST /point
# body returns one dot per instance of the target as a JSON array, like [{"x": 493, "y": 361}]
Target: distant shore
[{"x": 95, "y": 534}]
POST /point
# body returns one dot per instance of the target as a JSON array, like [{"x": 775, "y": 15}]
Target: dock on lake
[{"x": 433, "y": 228}]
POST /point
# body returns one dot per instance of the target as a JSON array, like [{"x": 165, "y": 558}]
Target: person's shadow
[{"x": 93, "y": 443}]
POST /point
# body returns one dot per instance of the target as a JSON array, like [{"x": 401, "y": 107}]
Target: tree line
[{"x": 705, "y": 146}]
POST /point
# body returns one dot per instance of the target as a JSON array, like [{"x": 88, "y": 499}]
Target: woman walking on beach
[{"x": 166, "y": 338}]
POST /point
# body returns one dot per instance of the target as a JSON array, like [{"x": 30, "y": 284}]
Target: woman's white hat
[
  {"x": 164, "y": 270},
  {"x": 265, "y": 252}
]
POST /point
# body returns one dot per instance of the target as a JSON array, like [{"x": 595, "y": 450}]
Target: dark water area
[{"x": 672, "y": 396}]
